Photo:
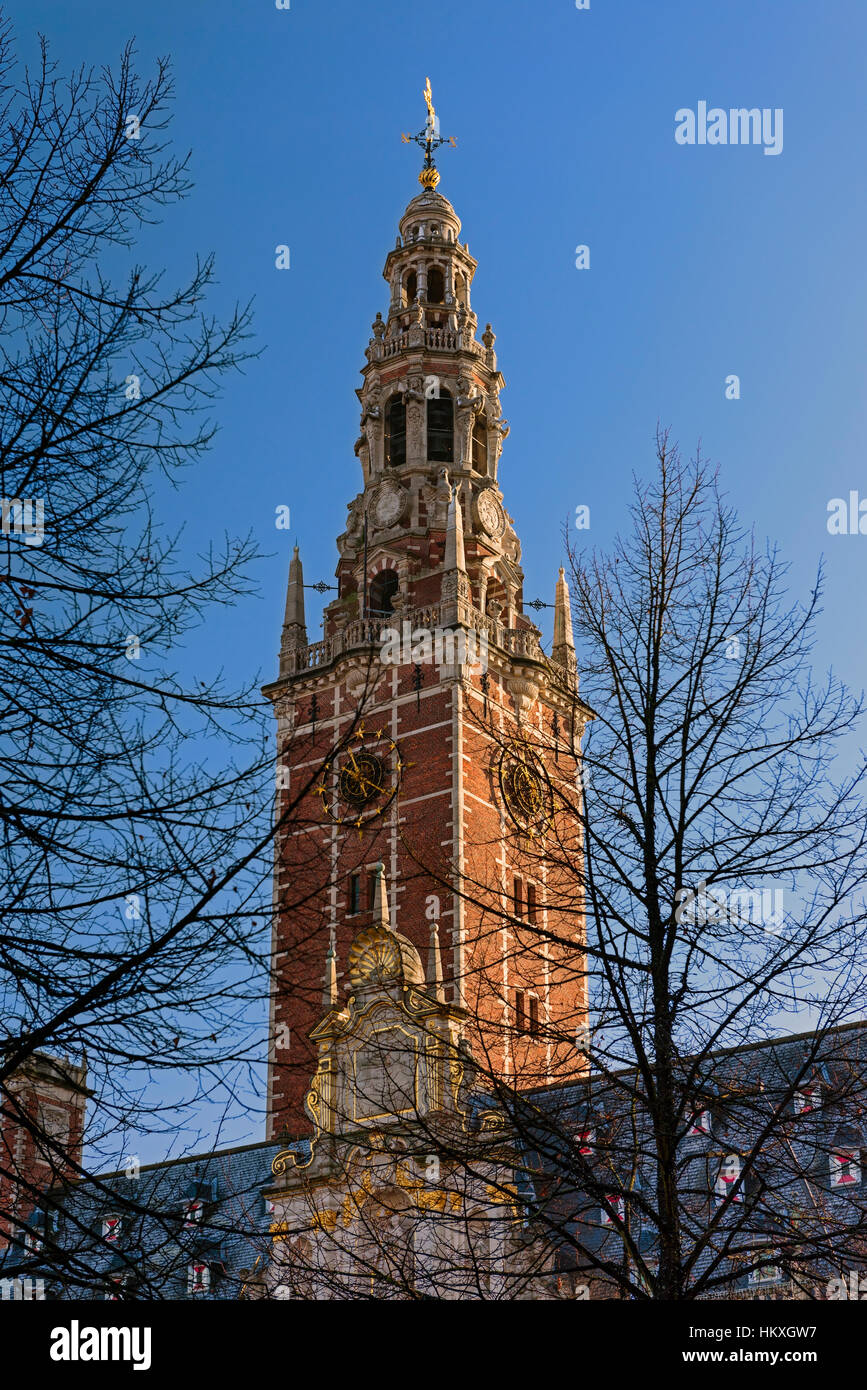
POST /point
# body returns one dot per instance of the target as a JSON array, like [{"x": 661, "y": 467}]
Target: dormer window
[
  {"x": 727, "y": 1177},
  {"x": 845, "y": 1168},
  {"x": 807, "y": 1099},
  {"x": 614, "y": 1208},
  {"x": 194, "y": 1210},
  {"x": 441, "y": 428},
  {"x": 34, "y": 1235},
  {"x": 207, "y": 1262},
  {"x": 585, "y": 1140},
  {"x": 200, "y": 1193},
  {"x": 700, "y": 1123},
  {"x": 198, "y": 1277},
  {"x": 111, "y": 1228}
]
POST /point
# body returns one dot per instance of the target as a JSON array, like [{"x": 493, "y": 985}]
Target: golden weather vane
[{"x": 430, "y": 140}]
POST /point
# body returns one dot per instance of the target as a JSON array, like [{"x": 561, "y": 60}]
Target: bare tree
[
  {"x": 137, "y": 808},
  {"x": 722, "y": 876}
]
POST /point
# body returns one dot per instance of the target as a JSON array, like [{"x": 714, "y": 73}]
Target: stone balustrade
[
  {"x": 443, "y": 339},
  {"x": 522, "y": 643}
]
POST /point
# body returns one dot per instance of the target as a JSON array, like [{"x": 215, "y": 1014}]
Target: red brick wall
[
  {"x": 418, "y": 843},
  {"x": 45, "y": 1094}
]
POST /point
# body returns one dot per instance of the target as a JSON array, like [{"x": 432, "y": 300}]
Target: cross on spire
[{"x": 429, "y": 139}]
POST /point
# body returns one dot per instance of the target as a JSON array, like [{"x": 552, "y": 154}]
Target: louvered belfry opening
[{"x": 441, "y": 428}]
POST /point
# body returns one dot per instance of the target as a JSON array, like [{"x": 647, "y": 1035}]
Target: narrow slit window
[
  {"x": 395, "y": 433},
  {"x": 533, "y": 1028},
  {"x": 518, "y": 897},
  {"x": 520, "y": 1012},
  {"x": 441, "y": 428},
  {"x": 354, "y": 894}
]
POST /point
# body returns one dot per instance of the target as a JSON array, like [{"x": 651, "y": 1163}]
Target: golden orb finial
[{"x": 430, "y": 140}]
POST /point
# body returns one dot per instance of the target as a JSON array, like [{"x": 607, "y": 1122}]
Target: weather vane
[{"x": 430, "y": 140}]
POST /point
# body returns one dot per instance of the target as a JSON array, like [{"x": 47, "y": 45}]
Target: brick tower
[
  {"x": 42, "y": 1113},
  {"x": 427, "y": 730}
]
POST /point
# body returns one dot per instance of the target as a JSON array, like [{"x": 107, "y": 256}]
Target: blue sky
[{"x": 705, "y": 261}]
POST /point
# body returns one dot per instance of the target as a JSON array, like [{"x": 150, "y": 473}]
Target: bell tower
[{"x": 426, "y": 727}]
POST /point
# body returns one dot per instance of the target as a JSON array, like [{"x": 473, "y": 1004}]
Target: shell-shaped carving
[
  {"x": 374, "y": 958},
  {"x": 378, "y": 956}
]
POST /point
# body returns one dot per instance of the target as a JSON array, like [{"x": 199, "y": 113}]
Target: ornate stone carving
[
  {"x": 469, "y": 403},
  {"x": 388, "y": 505},
  {"x": 524, "y": 691},
  {"x": 489, "y": 513}
]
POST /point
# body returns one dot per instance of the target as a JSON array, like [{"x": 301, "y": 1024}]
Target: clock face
[
  {"x": 525, "y": 788},
  {"x": 367, "y": 780},
  {"x": 362, "y": 779}
]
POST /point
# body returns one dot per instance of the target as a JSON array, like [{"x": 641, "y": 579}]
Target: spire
[
  {"x": 329, "y": 993},
  {"x": 434, "y": 976},
  {"x": 454, "y": 556},
  {"x": 295, "y": 593},
  {"x": 564, "y": 644},
  {"x": 380, "y": 899},
  {"x": 294, "y": 627}
]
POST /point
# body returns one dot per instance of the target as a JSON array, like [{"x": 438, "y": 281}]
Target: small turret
[
  {"x": 381, "y": 917},
  {"x": 294, "y": 626},
  {"x": 434, "y": 974},
  {"x": 454, "y": 555},
  {"x": 329, "y": 993},
  {"x": 563, "y": 649}
]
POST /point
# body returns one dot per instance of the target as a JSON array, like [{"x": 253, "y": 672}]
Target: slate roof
[{"x": 157, "y": 1241}]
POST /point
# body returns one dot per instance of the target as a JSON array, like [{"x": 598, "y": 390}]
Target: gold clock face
[
  {"x": 368, "y": 778},
  {"x": 525, "y": 789},
  {"x": 362, "y": 778}
]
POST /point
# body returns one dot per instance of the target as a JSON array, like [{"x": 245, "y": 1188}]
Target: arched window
[
  {"x": 395, "y": 433},
  {"x": 383, "y": 588},
  {"x": 411, "y": 286},
  {"x": 436, "y": 285},
  {"x": 441, "y": 429},
  {"x": 480, "y": 445}
]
